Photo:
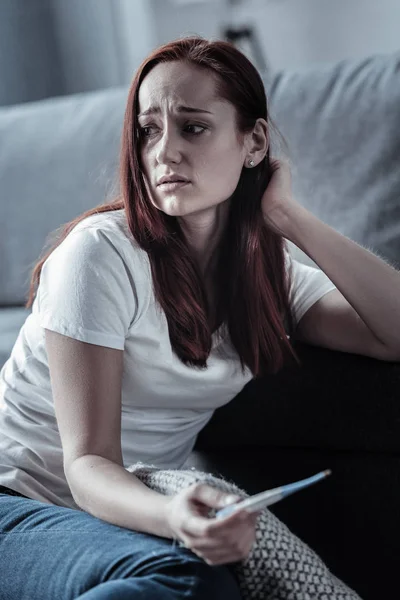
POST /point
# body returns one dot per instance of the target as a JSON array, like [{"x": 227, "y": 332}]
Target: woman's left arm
[{"x": 363, "y": 315}]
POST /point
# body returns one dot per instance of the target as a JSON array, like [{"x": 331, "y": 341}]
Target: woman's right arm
[{"x": 86, "y": 382}]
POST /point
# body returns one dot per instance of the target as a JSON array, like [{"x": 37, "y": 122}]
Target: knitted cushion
[{"x": 280, "y": 566}]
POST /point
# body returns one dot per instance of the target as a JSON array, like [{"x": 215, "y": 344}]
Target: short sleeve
[
  {"x": 308, "y": 285},
  {"x": 86, "y": 290}
]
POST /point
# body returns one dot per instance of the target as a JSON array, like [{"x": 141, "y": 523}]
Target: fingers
[
  {"x": 202, "y": 498},
  {"x": 216, "y": 541},
  {"x": 216, "y": 553},
  {"x": 211, "y": 496},
  {"x": 223, "y": 541},
  {"x": 201, "y": 526},
  {"x": 221, "y": 556}
]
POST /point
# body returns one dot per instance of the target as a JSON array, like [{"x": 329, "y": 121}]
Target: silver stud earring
[{"x": 251, "y": 163}]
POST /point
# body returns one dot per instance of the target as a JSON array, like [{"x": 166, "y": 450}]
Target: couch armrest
[{"x": 334, "y": 400}]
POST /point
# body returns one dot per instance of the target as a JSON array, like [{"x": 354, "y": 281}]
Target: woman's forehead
[{"x": 177, "y": 83}]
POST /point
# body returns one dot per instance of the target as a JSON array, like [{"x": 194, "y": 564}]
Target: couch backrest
[
  {"x": 59, "y": 157},
  {"x": 342, "y": 124}
]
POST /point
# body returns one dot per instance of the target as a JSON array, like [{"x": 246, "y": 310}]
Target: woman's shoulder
[
  {"x": 110, "y": 222},
  {"x": 101, "y": 241},
  {"x": 111, "y": 226}
]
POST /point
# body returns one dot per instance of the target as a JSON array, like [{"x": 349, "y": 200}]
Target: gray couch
[{"x": 342, "y": 122}]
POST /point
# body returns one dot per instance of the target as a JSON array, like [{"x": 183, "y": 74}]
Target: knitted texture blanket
[{"x": 280, "y": 566}]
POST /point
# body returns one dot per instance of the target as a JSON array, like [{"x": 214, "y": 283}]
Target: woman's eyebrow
[{"x": 189, "y": 109}]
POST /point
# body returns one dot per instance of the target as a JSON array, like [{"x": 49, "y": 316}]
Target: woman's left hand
[{"x": 277, "y": 201}]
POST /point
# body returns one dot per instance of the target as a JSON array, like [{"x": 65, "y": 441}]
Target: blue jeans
[{"x": 48, "y": 551}]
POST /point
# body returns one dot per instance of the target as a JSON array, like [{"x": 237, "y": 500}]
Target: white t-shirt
[{"x": 96, "y": 287}]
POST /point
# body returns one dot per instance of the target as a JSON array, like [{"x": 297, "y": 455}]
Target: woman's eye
[
  {"x": 144, "y": 131},
  {"x": 193, "y": 127},
  {"x": 148, "y": 130}
]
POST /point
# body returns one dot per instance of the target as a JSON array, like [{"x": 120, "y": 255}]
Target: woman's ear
[{"x": 257, "y": 142}]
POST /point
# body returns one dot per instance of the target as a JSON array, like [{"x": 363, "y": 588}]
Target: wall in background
[
  {"x": 57, "y": 47},
  {"x": 101, "y": 43},
  {"x": 28, "y": 51},
  {"x": 293, "y": 33}
]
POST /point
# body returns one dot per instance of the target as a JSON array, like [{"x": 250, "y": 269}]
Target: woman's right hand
[{"x": 217, "y": 541}]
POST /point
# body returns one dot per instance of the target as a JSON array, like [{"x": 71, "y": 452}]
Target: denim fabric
[{"x": 48, "y": 551}]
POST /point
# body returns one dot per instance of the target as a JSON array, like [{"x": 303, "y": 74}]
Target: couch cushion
[
  {"x": 342, "y": 125},
  {"x": 58, "y": 158},
  {"x": 11, "y": 321},
  {"x": 332, "y": 401}
]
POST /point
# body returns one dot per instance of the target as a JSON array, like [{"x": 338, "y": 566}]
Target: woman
[{"x": 150, "y": 313}]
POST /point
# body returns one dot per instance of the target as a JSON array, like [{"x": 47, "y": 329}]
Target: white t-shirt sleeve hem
[
  {"x": 309, "y": 301},
  {"x": 87, "y": 289},
  {"x": 83, "y": 335},
  {"x": 309, "y": 284}
]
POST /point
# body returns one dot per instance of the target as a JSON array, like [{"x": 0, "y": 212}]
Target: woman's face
[{"x": 188, "y": 133}]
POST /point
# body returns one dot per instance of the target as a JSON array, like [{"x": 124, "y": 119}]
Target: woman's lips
[{"x": 171, "y": 186}]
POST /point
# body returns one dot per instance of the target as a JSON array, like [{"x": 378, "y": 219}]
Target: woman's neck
[{"x": 203, "y": 232}]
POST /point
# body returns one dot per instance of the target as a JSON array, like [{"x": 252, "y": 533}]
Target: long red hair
[{"x": 251, "y": 280}]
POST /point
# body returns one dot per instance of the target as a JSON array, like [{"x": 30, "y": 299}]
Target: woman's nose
[{"x": 168, "y": 147}]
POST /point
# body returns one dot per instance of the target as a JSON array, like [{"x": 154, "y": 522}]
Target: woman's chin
[
  {"x": 175, "y": 207},
  {"x": 184, "y": 207}
]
